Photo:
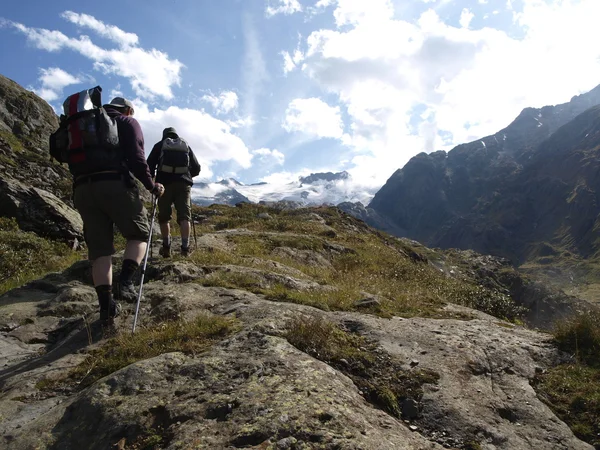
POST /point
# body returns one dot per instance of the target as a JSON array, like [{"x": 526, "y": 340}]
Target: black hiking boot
[
  {"x": 165, "y": 251},
  {"x": 125, "y": 292},
  {"x": 185, "y": 251},
  {"x": 107, "y": 315}
]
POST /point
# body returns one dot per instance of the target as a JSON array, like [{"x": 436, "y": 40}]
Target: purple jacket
[{"x": 131, "y": 139}]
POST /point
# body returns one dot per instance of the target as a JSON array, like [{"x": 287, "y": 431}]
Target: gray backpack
[{"x": 175, "y": 156}]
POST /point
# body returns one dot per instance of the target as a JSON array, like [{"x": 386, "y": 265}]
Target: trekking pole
[
  {"x": 193, "y": 226},
  {"x": 137, "y": 306}
]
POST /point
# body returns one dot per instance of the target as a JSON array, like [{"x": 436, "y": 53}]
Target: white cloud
[
  {"x": 286, "y": 7},
  {"x": 242, "y": 122},
  {"x": 111, "y": 32},
  {"x": 465, "y": 17},
  {"x": 291, "y": 62},
  {"x": 150, "y": 72},
  {"x": 354, "y": 12},
  {"x": 211, "y": 139},
  {"x": 225, "y": 102},
  {"x": 265, "y": 155},
  {"x": 54, "y": 80},
  {"x": 314, "y": 117},
  {"x": 387, "y": 72}
]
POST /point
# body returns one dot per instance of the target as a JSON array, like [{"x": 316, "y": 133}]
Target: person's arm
[
  {"x": 132, "y": 141},
  {"x": 194, "y": 164}
]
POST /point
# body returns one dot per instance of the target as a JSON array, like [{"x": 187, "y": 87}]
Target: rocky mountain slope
[
  {"x": 525, "y": 193},
  {"x": 34, "y": 189},
  {"x": 287, "y": 328}
]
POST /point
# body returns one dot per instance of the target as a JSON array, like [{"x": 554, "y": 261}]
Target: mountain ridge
[{"x": 485, "y": 194}]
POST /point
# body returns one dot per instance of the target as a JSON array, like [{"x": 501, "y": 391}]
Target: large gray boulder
[{"x": 39, "y": 211}]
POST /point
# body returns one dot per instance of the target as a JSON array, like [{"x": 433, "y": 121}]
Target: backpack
[
  {"x": 175, "y": 157},
  {"x": 87, "y": 139}
]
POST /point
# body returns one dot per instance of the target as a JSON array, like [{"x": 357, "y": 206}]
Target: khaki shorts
[
  {"x": 103, "y": 204},
  {"x": 177, "y": 193}
]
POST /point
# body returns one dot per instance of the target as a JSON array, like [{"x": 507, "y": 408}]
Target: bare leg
[
  {"x": 165, "y": 231},
  {"x": 102, "y": 271},
  {"x": 184, "y": 226},
  {"x": 135, "y": 251}
]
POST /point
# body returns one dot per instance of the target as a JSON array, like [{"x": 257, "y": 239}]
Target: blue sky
[{"x": 268, "y": 90}]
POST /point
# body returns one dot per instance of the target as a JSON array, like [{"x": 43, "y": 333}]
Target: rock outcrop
[
  {"x": 34, "y": 189},
  {"x": 257, "y": 387},
  {"x": 39, "y": 211}
]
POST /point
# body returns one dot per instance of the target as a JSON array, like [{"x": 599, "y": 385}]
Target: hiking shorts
[
  {"x": 178, "y": 193},
  {"x": 103, "y": 204}
]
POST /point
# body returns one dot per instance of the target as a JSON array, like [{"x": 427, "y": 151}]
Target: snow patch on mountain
[{"x": 316, "y": 189}]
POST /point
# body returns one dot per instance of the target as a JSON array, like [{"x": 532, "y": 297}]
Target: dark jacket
[
  {"x": 167, "y": 178},
  {"x": 131, "y": 140}
]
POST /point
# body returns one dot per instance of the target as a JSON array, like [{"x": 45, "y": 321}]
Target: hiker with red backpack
[
  {"x": 104, "y": 148},
  {"x": 175, "y": 166}
]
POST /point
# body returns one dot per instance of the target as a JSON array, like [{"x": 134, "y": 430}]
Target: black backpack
[
  {"x": 87, "y": 138},
  {"x": 175, "y": 156}
]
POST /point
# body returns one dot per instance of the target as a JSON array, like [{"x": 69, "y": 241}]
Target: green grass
[
  {"x": 572, "y": 391},
  {"x": 12, "y": 140},
  {"x": 375, "y": 263},
  {"x": 378, "y": 376},
  {"x": 24, "y": 256},
  {"x": 188, "y": 337},
  {"x": 580, "y": 337}
]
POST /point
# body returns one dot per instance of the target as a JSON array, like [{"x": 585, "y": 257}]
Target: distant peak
[
  {"x": 324, "y": 176},
  {"x": 229, "y": 182}
]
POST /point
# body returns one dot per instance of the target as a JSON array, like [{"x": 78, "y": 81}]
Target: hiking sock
[
  {"x": 185, "y": 242},
  {"x": 105, "y": 296},
  {"x": 167, "y": 241},
  {"x": 127, "y": 271}
]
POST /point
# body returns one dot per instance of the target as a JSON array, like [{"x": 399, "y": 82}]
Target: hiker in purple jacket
[{"x": 109, "y": 195}]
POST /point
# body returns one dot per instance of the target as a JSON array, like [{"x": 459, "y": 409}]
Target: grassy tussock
[
  {"x": 188, "y": 337},
  {"x": 580, "y": 336},
  {"x": 572, "y": 391},
  {"x": 412, "y": 288},
  {"x": 25, "y": 256},
  {"x": 378, "y": 264}
]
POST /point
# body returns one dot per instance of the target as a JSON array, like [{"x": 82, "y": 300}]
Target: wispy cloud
[
  {"x": 53, "y": 81},
  {"x": 286, "y": 7},
  {"x": 265, "y": 155},
  {"x": 115, "y": 34},
  {"x": 151, "y": 72},
  {"x": 314, "y": 117},
  {"x": 254, "y": 68},
  {"x": 211, "y": 139},
  {"x": 223, "y": 103}
]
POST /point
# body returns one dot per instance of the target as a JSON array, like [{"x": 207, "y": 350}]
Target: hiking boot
[
  {"x": 108, "y": 314},
  {"x": 126, "y": 292},
  {"x": 185, "y": 251},
  {"x": 165, "y": 252}
]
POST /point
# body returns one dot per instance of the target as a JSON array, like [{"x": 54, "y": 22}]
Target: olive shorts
[
  {"x": 178, "y": 193},
  {"x": 103, "y": 204}
]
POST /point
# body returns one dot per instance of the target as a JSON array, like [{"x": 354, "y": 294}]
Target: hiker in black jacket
[{"x": 175, "y": 166}]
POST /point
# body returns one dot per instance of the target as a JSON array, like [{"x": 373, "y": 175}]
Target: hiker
[
  {"x": 108, "y": 195},
  {"x": 175, "y": 166}
]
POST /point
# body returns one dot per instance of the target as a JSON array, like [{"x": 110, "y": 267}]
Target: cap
[
  {"x": 121, "y": 102},
  {"x": 168, "y": 131}
]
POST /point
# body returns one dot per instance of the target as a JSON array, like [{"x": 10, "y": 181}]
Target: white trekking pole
[{"x": 137, "y": 306}]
